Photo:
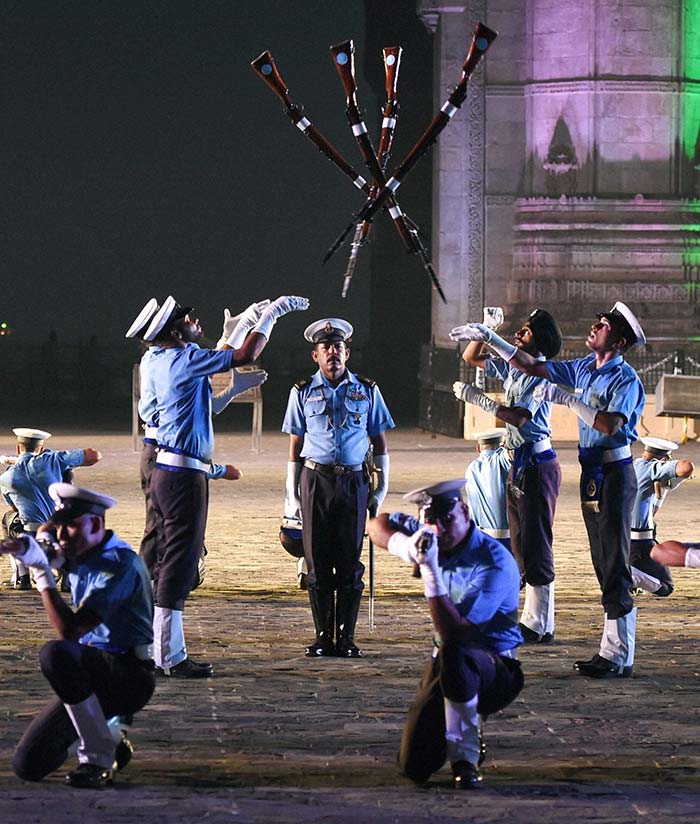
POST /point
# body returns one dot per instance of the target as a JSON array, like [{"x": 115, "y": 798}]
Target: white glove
[
  {"x": 236, "y": 327},
  {"x": 7, "y": 459},
  {"x": 430, "y": 572},
  {"x": 470, "y": 394},
  {"x": 292, "y": 495},
  {"x": 240, "y": 382},
  {"x": 377, "y": 497},
  {"x": 35, "y": 558},
  {"x": 493, "y": 317},
  {"x": 481, "y": 333},
  {"x": 411, "y": 548},
  {"x": 282, "y": 306},
  {"x": 556, "y": 395}
]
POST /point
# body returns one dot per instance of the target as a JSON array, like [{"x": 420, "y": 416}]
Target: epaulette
[
  {"x": 367, "y": 381},
  {"x": 302, "y": 383}
]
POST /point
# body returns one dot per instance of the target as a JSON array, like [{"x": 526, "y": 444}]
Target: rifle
[
  {"x": 481, "y": 41},
  {"x": 392, "y": 61},
  {"x": 344, "y": 61},
  {"x": 265, "y": 67}
]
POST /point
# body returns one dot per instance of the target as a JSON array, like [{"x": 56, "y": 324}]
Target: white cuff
[
  {"x": 433, "y": 584},
  {"x": 692, "y": 558}
]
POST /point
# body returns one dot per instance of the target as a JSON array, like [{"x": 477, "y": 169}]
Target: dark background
[{"x": 142, "y": 157}]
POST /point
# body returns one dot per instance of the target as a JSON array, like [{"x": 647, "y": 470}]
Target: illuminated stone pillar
[{"x": 611, "y": 116}]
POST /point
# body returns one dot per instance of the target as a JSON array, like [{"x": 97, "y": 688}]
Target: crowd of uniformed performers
[{"x": 475, "y": 541}]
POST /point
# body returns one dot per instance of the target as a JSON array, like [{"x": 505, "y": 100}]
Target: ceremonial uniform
[
  {"x": 25, "y": 487},
  {"x": 108, "y": 671},
  {"x": 178, "y": 373},
  {"x": 179, "y": 481},
  {"x": 486, "y": 477},
  {"x": 474, "y": 672},
  {"x": 652, "y": 470},
  {"x": 335, "y": 419},
  {"x": 608, "y": 489}
]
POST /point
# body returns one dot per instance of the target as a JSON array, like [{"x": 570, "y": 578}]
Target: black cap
[{"x": 546, "y": 332}]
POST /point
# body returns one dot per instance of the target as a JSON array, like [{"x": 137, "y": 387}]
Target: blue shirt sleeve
[
  {"x": 204, "y": 362},
  {"x": 379, "y": 418},
  {"x": 108, "y": 589},
  {"x": 294, "y": 422},
  {"x": 564, "y": 372}
]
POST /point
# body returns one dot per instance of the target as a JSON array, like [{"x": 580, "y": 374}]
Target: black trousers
[
  {"x": 180, "y": 501},
  {"x": 123, "y": 685},
  {"x": 333, "y": 511},
  {"x": 147, "y": 550},
  {"x": 531, "y": 507},
  {"x": 609, "y": 537},
  {"x": 459, "y": 673},
  {"x": 640, "y": 557}
]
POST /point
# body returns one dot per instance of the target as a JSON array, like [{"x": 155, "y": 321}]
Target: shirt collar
[
  {"x": 318, "y": 380},
  {"x": 606, "y": 367}
]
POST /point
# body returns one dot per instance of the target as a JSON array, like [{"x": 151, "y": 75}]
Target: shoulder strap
[
  {"x": 367, "y": 381},
  {"x": 302, "y": 383}
]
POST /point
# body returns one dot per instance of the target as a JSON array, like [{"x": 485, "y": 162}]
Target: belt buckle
[{"x": 338, "y": 469}]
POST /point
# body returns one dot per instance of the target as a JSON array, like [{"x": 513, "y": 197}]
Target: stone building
[{"x": 571, "y": 177}]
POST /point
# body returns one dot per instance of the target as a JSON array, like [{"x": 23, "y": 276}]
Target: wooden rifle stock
[
  {"x": 265, "y": 67},
  {"x": 344, "y": 61}
]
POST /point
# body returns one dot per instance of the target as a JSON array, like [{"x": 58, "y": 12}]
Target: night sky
[{"x": 142, "y": 156}]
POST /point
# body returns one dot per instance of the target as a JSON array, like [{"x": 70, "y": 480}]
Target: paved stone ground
[{"x": 276, "y": 737}]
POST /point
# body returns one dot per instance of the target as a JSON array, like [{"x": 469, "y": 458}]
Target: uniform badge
[{"x": 356, "y": 394}]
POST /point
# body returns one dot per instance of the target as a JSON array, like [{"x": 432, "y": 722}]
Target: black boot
[
  {"x": 323, "y": 611},
  {"x": 346, "y": 617}
]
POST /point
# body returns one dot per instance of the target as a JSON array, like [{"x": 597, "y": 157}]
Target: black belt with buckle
[{"x": 332, "y": 469}]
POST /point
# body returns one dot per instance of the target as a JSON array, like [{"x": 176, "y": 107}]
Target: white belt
[
  {"x": 150, "y": 432},
  {"x": 642, "y": 534},
  {"x": 181, "y": 461},
  {"x": 496, "y": 533},
  {"x": 612, "y": 455},
  {"x": 541, "y": 446}
]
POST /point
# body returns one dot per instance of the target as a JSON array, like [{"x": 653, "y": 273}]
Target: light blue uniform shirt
[
  {"x": 648, "y": 472},
  {"x": 526, "y": 392},
  {"x": 180, "y": 381},
  {"x": 112, "y": 581},
  {"x": 25, "y": 485},
  {"x": 615, "y": 387},
  {"x": 148, "y": 404},
  {"x": 486, "y": 478},
  {"x": 483, "y": 581},
  {"x": 336, "y": 421}
]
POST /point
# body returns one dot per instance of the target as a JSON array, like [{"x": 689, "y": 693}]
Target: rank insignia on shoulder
[{"x": 302, "y": 383}]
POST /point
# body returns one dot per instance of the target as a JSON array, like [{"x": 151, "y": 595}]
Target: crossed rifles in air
[{"x": 381, "y": 191}]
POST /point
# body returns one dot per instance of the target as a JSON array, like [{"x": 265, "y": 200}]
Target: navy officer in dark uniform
[
  {"x": 608, "y": 400},
  {"x": 472, "y": 585},
  {"x": 329, "y": 419},
  {"x": 101, "y": 664}
]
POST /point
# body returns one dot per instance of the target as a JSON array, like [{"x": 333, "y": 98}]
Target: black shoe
[
  {"x": 320, "y": 649},
  {"x": 123, "y": 753},
  {"x": 23, "y": 582},
  {"x": 187, "y": 669},
  {"x": 90, "y": 777},
  {"x": 348, "y": 650},
  {"x": 532, "y": 637},
  {"x": 466, "y": 776},
  {"x": 599, "y": 667}
]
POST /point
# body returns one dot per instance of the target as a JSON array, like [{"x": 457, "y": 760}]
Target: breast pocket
[
  {"x": 316, "y": 416},
  {"x": 357, "y": 412}
]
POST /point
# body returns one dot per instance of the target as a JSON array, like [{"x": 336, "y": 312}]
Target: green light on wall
[{"x": 690, "y": 74}]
